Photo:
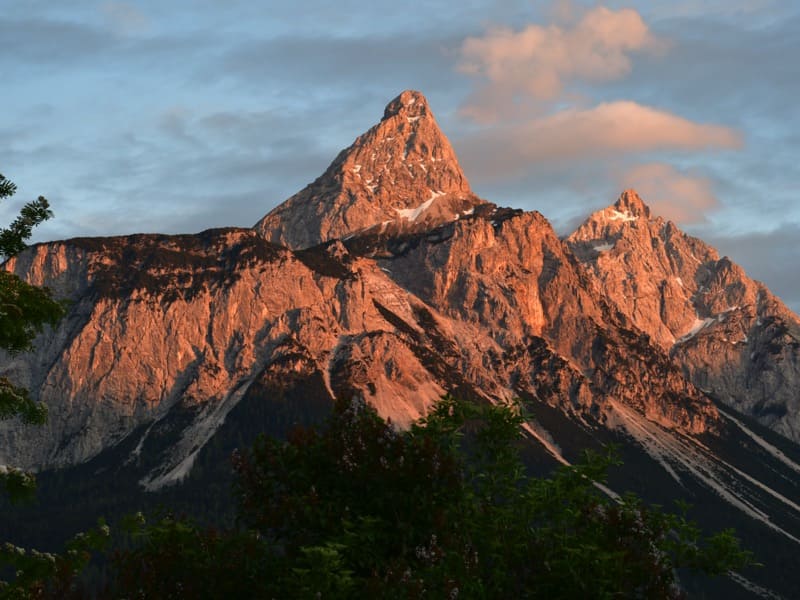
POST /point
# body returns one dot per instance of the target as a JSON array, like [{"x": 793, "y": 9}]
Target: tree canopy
[
  {"x": 358, "y": 509},
  {"x": 24, "y": 312}
]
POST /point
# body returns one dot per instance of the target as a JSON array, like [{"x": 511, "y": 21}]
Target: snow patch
[
  {"x": 697, "y": 327},
  {"x": 412, "y": 119},
  {"x": 603, "y": 247},
  {"x": 356, "y": 168},
  {"x": 621, "y": 216},
  {"x": 468, "y": 212},
  {"x": 412, "y": 214}
]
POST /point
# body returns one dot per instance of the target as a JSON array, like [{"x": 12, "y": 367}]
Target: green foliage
[
  {"x": 50, "y": 575},
  {"x": 19, "y": 485},
  {"x": 24, "y": 311},
  {"x": 173, "y": 558},
  {"x": 444, "y": 510},
  {"x": 447, "y": 510},
  {"x": 13, "y": 237}
]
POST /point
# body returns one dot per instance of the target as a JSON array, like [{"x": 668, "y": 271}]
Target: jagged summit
[
  {"x": 728, "y": 333},
  {"x": 401, "y": 174},
  {"x": 601, "y": 230},
  {"x": 630, "y": 202},
  {"x": 409, "y": 103}
]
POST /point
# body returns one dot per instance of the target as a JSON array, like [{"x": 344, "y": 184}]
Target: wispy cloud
[
  {"x": 535, "y": 104},
  {"x": 617, "y": 127},
  {"x": 125, "y": 18},
  {"x": 537, "y": 62},
  {"x": 672, "y": 194}
]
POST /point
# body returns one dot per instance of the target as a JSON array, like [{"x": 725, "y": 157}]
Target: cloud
[
  {"x": 124, "y": 18},
  {"x": 732, "y": 8},
  {"x": 617, "y": 127},
  {"x": 672, "y": 194},
  {"x": 537, "y": 62},
  {"x": 49, "y": 41}
]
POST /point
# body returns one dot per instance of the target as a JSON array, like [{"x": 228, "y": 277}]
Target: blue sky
[{"x": 180, "y": 116}]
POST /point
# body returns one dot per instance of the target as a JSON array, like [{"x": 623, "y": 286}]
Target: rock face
[
  {"x": 728, "y": 333},
  {"x": 507, "y": 273},
  {"x": 388, "y": 279},
  {"x": 402, "y": 174},
  {"x": 161, "y": 323}
]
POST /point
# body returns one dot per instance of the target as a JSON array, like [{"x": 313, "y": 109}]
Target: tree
[
  {"x": 447, "y": 510},
  {"x": 358, "y": 509},
  {"x": 24, "y": 311}
]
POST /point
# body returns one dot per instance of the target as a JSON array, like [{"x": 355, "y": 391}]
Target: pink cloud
[
  {"x": 611, "y": 128},
  {"x": 538, "y": 61},
  {"x": 124, "y": 17},
  {"x": 672, "y": 194}
]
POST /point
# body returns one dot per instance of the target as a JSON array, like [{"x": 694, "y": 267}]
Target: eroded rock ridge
[{"x": 388, "y": 279}]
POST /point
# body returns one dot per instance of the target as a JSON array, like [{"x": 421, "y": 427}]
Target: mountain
[
  {"x": 388, "y": 279},
  {"x": 402, "y": 174},
  {"x": 729, "y": 334}
]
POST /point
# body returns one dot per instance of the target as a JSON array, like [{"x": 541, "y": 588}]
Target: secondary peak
[
  {"x": 409, "y": 103},
  {"x": 630, "y": 202}
]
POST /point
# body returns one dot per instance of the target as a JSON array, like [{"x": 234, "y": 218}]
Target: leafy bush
[{"x": 444, "y": 510}]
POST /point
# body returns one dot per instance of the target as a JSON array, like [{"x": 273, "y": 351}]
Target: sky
[{"x": 152, "y": 116}]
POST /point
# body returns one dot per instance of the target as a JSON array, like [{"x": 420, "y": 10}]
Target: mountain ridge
[
  {"x": 401, "y": 174},
  {"x": 627, "y": 330},
  {"x": 728, "y": 333}
]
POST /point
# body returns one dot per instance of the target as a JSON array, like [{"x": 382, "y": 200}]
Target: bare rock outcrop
[
  {"x": 388, "y": 279},
  {"x": 190, "y": 323},
  {"x": 729, "y": 334},
  {"x": 508, "y": 273},
  {"x": 401, "y": 174}
]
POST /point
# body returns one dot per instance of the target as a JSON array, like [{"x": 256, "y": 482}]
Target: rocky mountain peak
[
  {"x": 600, "y": 232},
  {"x": 401, "y": 174},
  {"x": 715, "y": 322},
  {"x": 630, "y": 202},
  {"x": 410, "y": 103}
]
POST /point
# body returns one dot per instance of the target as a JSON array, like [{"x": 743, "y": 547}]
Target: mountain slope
[
  {"x": 388, "y": 279},
  {"x": 192, "y": 322},
  {"x": 509, "y": 274},
  {"x": 729, "y": 334},
  {"x": 401, "y": 174}
]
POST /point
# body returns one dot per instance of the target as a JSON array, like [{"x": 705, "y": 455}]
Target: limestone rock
[
  {"x": 727, "y": 332},
  {"x": 401, "y": 174},
  {"x": 388, "y": 279}
]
